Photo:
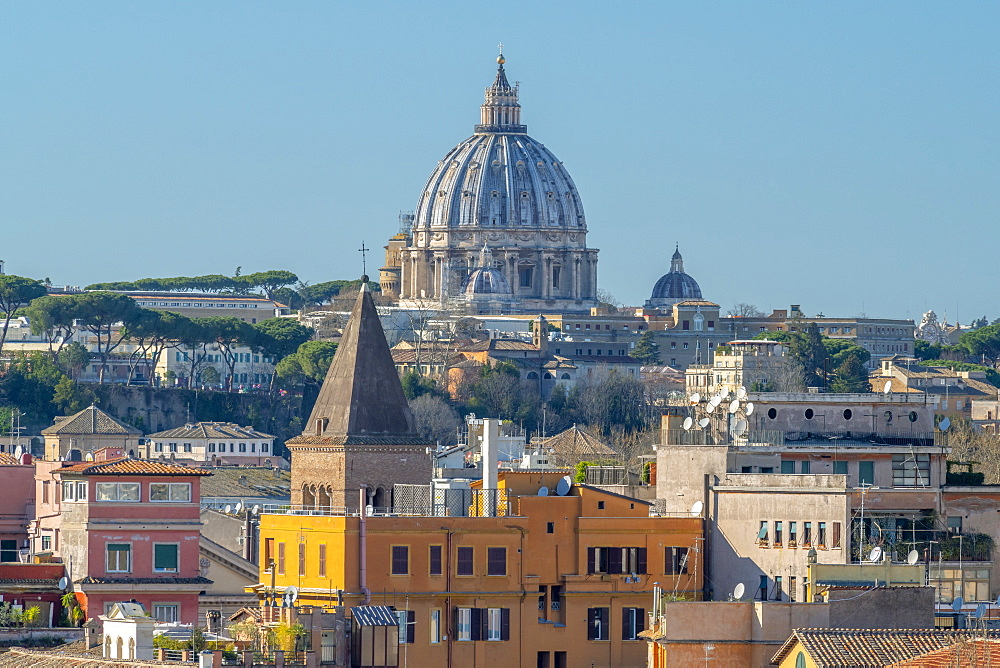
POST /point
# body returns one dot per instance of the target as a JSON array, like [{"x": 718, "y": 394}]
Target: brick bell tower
[{"x": 361, "y": 430}]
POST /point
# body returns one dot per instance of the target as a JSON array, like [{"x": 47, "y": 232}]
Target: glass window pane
[
  {"x": 180, "y": 491},
  {"x": 158, "y": 491},
  {"x": 107, "y": 491},
  {"x": 128, "y": 491}
]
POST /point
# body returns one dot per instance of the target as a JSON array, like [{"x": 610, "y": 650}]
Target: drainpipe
[{"x": 363, "y": 547}]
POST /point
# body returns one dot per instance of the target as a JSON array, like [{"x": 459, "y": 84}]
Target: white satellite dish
[
  {"x": 740, "y": 428},
  {"x": 980, "y": 611},
  {"x": 543, "y": 491},
  {"x": 957, "y": 604},
  {"x": 704, "y": 422},
  {"x": 229, "y": 509},
  {"x": 714, "y": 401},
  {"x": 944, "y": 424},
  {"x": 239, "y": 507},
  {"x": 18, "y": 451},
  {"x": 741, "y": 392},
  {"x": 738, "y": 591},
  {"x": 749, "y": 408},
  {"x": 710, "y": 407},
  {"x": 875, "y": 555},
  {"x": 734, "y": 405},
  {"x": 696, "y": 508},
  {"x": 887, "y": 388},
  {"x": 912, "y": 557},
  {"x": 687, "y": 423},
  {"x": 695, "y": 398},
  {"x": 64, "y": 583},
  {"x": 256, "y": 510},
  {"x": 564, "y": 485}
]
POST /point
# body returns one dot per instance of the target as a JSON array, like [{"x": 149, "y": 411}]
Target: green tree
[
  {"x": 280, "y": 337},
  {"x": 228, "y": 334},
  {"x": 52, "y": 317},
  {"x": 925, "y": 350},
  {"x": 610, "y": 401},
  {"x": 101, "y": 313},
  {"x": 647, "y": 350},
  {"x": 809, "y": 351},
  {"x": 73, "y": 359},
  {"x": 16, "y": 292},
  {"x": 851, "y": 376},
  {"x": 498, "y": 392},
  {"x": 983, "y": 343},
  {"x": 270, "y": 281},
  {"x": 416, "y": 385},
  {"x": 308, "y": 365},
  {"x": 151, "y": 333},
  {"x": 70, "y": 397},
  {"x": 210, "y": 375}
]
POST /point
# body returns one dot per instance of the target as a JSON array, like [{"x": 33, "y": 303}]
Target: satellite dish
[
  {"x": 875, "y": 555},
  {"x": 89, "y": 457},
  {"x": 716, "y": 400},
  {"x": 741, "y": 392},
  {"x": 912, "y": 557},
  {"x": 957, "y": 604},
  {"x": 256, "y": 510},
  {"x": 710, "y": 407},
  {"x": 704, "y": 422},
  {"x": 687, "y": 423},
  {"x": 734, "y": 405},
  {"x": 740, "y": 428},
  {"x": 292, "y": 595},
  {"x": 18, "y": 451},
  {"x": 239, "y": 507},
  {"x": 64, "y": 583},
  {"x": 980, "y": 611},
  {"x": 229, "y": 509},
  {"x": 543, "y": 491},
  {"x": 749, "y": 408},
  {"x": 564, "y": 485},
  {"x": 738, "y": 591},
  {"x": 696, "y": 508},
  {"x": 695, "y": 398},
  {"x": 944, "y": 424},
  {"x": 887, "y": 388}
]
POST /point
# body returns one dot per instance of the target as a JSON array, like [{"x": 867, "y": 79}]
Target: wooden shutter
[
  {"x": 640, "y": 560},
  {"x": 615, "y": 559},
  {"x": 411, "y": 626},
  {"x": 454, "y": 623},
  {"x": 591, "y": 623},
  {"x": 477, "y": 623},
  {"x": 505, "y": 624},
  {"x": 627, "y": 631},
  {"x": 591, "y": 559}
]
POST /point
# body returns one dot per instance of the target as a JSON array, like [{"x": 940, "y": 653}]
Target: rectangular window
[
  {"x": 69, "y": 491},
  {"x": 777, "y": 533},
  {"x": 633, "y": 623},
  {"x": 464, "y": 562},
  {"x": 170, "y": 492},
  {"x": 463, "y": 624},
  {"x": 805, "y": 467},
  {"x": 435, "y": 626},
  {"x": 187, "y": 447},
  {"x": 793, "y": 533},
  {"x": 118, "y": 491},
  {"x": 840, "y": 468},
  {"x": 762, "y": 589},
  {"x": 496, "y": 561},
  {"x": 281, "y": 558},
  {"x": 493, "y": 623},
  {"x": 777, "y": 588},
  {"x": 407, "y": 626},
  {"x": 616, "y": 560},
  {"x": 119, "y": 558},
  {"x": 302, "y": 558},
  {"x": 598, "y": 624},
  {"x": 807, "y": 530},
  {"x": 550, "y": 527},
  {"x": 434, "y": 560},
  {"x": 791, "y": 588},
  {"x": 911, "y": 470},
  {"x": 211, "y": 447},
  {"x": 166, "y": 612},
  {"x": 321, "y": 566},
  {"x": 788, "y": 466},
  {"x": 821, "y": 536},
  {"x": 165, "y": 557},
  {"x": 836, "y": 535},
  {"x": 81, "y": 490},
  {"x": 46, "y": 543},
  {"x": 762, "y": 532},
  {"x": 675, "y": 561},
  {"x": 400, "y": 560}
]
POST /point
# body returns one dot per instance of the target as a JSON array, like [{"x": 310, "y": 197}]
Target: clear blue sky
[{"x": 842, "y": 156}]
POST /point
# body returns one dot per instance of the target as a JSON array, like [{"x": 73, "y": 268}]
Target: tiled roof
[
  {"x": 870, "y": 648},
  {"x": 90, "y": 579},
  {"x": 127, "y": 466},
  {"x": 576, "y": 443},
  {"x": 211, "y": 430},
  {"x": 91, "y": 420},
  {"x": 230, "y": 482},
  {"x": 8, "y": 460},
  {"x": 977, "y": 652}
]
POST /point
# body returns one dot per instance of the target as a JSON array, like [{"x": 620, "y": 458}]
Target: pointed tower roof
[
  {"x": 361, "y": 401},
  {"x": 501, "y": 112}
]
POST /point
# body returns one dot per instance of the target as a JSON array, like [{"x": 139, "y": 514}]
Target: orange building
[{"x": 552, "y": 581}]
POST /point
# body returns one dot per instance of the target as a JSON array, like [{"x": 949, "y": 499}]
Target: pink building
[
  {"x": 129, "y": 529},
  {"x": 17, "y": 505}
]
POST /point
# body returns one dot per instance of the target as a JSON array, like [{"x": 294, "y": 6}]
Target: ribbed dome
[
  {"x": 674, "y": 286},
  {"x": 500, "y": 177},
  {"x": 486, "y": 281}
]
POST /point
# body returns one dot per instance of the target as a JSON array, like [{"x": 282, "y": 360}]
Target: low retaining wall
[{"x": 27, "y": 636}]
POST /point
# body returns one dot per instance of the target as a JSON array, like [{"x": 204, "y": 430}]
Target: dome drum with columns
[
  {"x": 674, "y": 286},
  {"x": 502, "y": 189}
]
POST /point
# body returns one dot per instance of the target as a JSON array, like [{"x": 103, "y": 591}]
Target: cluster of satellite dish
[
  {"x": 562, "y": 487},
  {"x": 739, "y": 407},
  {"x": 239, "y": 508}
]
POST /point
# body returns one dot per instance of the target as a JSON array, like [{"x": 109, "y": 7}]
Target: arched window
[
  {"x": 565, "y": 376},
  {"x": 532, "y": 375},
  {"x": 800, "y": 660}
]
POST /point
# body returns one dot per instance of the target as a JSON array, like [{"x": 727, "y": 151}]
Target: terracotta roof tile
[
  {"x": 91, "y": 420},
  {"x": 977, "y": 652},
  {"x": 870, "y": 648},
  {"x": 211, "y": 430},
  {"x": 127, "y": 466}
]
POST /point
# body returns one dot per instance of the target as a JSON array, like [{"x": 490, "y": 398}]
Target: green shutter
[{"x": 165, "y": 557}]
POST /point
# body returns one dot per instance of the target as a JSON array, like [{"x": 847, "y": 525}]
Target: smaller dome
[
  {"x": 674, "y": 286},
  {"x": 486, "y": 281}
]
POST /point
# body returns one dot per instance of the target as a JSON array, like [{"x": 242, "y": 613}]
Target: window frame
[
  {"x": 171, "y": 488},
  {"x": 469, "y": 561},
  {"x": 492, "y": 561},
  {"x": 128, "y": 557},
  {"x": 177, "y": 558},
  {"x": 399, "y": 555}
]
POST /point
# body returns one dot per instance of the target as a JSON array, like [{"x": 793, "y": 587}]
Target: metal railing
[{"x": 427, "y": 501}]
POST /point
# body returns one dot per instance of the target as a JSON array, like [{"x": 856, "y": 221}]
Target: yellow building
[{"x": 555, "y": 580}]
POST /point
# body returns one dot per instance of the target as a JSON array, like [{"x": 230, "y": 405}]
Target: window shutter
[
  {"x": 627, "y": 631},
  {"x": 591, "y": 623},
  {"x": 641, "y": 561},
  {"x": 640, "y": 620},
  {"x": 505, "y": 624},
  {"x": 454, "y": 623},
  {"x": 615, "y": 559},
  {"x": 411, "y": 627},
  {"x": 591, "y": 559},
  {"x": 477, "y": 623}
]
